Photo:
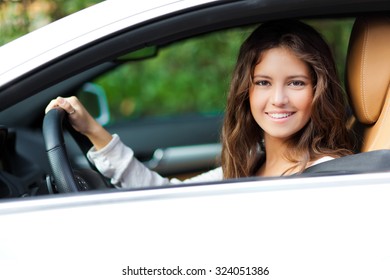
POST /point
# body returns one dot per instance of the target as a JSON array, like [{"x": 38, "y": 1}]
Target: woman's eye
[
  {"x": 297, "y": 83},
  {"x": 262, "y": 83}
]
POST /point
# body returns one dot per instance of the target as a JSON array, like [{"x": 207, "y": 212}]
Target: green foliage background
[{"x": 187, "y": 77}]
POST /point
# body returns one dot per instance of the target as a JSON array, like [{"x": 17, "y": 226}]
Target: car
[{"x": 61, "y": 219}]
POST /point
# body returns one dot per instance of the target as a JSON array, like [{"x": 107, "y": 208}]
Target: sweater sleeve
[{"x": 117, "y": 162}]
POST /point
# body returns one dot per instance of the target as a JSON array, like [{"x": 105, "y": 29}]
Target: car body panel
[{"x": 303, "y": 228}]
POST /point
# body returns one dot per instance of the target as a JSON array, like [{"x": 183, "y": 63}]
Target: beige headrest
[{"x": 368, "y": 67}]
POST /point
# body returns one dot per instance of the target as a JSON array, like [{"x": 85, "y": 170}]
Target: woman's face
[{"x": 281, "y": 94}]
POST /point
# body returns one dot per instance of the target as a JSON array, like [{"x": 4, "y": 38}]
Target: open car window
[
  {"x": 175, "y": 97},
  {"x": 191, "y": 76}
]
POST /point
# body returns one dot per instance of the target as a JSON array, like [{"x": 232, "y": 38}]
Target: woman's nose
[{"x": 279, "y": 96}]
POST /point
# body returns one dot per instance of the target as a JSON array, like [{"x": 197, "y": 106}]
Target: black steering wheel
[{"x": 65, "y": 178}]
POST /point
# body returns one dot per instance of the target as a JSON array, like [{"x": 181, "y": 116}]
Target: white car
[{"x": 331, "y": 222}]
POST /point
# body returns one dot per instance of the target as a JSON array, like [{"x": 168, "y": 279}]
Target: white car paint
[{"x": 305, "y": 228}]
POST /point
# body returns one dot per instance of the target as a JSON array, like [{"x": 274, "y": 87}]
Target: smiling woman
[
  {"x": 281, "y": 95},
  {"x": 286, "y": 75}
]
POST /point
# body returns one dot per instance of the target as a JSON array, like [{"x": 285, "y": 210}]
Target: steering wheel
[{"x": 65, "y": 178}]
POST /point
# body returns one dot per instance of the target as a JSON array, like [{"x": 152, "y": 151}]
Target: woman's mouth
[{"x": 280, "y": 115}]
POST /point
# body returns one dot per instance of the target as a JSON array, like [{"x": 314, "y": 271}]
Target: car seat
[
  {"x": 368, "y": 87},
  {"x": 368, "y": 80}
]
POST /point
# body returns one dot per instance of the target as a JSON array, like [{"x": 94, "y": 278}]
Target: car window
[
  {"x": 188, "y": 77},
  {"x": 191, "y": 76}
]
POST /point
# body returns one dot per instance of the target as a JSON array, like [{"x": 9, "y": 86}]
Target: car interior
[
  {"x": 23, "y": 172},
  {"x": 368, "y": 74},
  {"x": 367, "y": 82}
]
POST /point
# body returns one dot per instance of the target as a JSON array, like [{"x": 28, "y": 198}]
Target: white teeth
[{"x": 279, "y": 115}]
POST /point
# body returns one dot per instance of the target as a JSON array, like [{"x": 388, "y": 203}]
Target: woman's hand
[{"x": 81, "y": 120}]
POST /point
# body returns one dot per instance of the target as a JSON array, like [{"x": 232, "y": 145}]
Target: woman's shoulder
[
  {"x": 212, "y": 175},
  {"x": 321, "y": 160}
]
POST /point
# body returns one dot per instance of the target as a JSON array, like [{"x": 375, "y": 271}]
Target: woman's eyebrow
[
  {"x": 299, "y": 77},
  {"x": 288, "y": 77},
  {"x": 261, "y": 76}
]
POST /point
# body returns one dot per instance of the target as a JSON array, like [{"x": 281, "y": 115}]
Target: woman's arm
[
  {"x": 82, "y": 121},
  {"x": 113, "y": 158}
]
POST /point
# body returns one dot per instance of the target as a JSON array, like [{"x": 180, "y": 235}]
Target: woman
[
  {"x": 324, "y": 135},
  {"x": 285, "y": 112}
]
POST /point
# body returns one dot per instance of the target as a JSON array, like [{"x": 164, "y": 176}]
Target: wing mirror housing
[{"x": 94, "y": 98}]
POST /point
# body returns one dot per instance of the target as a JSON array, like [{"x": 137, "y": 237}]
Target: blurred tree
[
  {"x": 187, "y": 77},
  {"x": 18, "y": 17}
]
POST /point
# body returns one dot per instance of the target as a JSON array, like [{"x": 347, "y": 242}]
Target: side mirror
[{"x": 94, "y": 99}]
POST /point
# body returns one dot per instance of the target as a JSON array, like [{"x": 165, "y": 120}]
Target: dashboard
[{"x": 19, "y": 175}]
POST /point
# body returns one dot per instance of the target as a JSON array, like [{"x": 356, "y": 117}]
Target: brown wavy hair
[{"x": 325, "y": 133}]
